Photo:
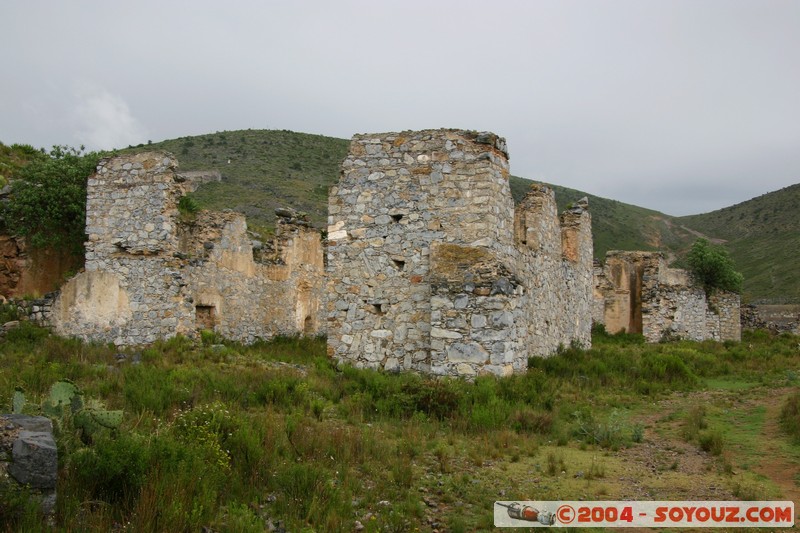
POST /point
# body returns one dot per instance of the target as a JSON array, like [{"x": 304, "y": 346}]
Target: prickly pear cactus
[
  {"x": 18, "y": 401},
  {"x": 94, "y": 419},
  {"x": 66, "y": 406},
  {"x": 64, "y": 398}
]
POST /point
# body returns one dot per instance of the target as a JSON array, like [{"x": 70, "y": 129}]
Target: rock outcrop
[{"x": 29, "y": 457}]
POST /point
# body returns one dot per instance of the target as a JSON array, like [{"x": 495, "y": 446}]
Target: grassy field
[{"x": 237, "y": 438}]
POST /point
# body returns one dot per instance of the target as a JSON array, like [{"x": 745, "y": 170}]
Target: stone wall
[
  {"x": 152, "y": 273},
  {"x": 777, "y": 318},
  {"x": 430, "y": 269},
  {"x": 639, "y": 293}
]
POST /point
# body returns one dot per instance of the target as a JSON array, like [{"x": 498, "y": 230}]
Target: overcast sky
[{"x": 680, "y": 106}]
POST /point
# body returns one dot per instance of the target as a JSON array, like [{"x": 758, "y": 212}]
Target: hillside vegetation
[
  {"x": 13, "y": 158},
  {"x": 262, "y": 170},
  {"x": 763, "y": 236}
]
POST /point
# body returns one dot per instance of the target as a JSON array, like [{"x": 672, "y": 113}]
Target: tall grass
[{"x": 240, "y": 437}]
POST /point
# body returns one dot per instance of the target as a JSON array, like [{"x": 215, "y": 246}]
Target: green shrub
[
  {"x": 790, "y": 416},
  {"x": 8, "y": 312},
  {"x": 188, "y": 206},
  {"x": 113, "y": 469},
  {"x": 527, "y": 420},
  {"x": 712, "y": 441},
  {"x": 148, "y": 388},
  {"x": 307, "y": 491},
  {"x": 27, "y": 334},
  {"x": 613, "y": 432},
  {"x": 695, "y": 422},
  {"x": 209, "y": 428},
  {"x": 667, "y": 368},
  {"x": 712, "y": 266},
  {"x": 48, "y": 201}
]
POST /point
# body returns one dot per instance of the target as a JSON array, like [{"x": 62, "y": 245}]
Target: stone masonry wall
[
  {"x": 152, "y": 274},
  {"x": 639, "y": 293},
  {"x": 429, "y": 268}
]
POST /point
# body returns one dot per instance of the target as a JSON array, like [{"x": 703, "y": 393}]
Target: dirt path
[
  {"x": 775, "y": 463},
  {"x": 679, "y": 470}
]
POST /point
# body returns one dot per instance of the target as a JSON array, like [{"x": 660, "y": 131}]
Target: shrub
[
  {"x": 8, "y": 312},
  {"x": 188, "y": 206},
  {"x": 790, "y": 416},
  {"x": 694, "y": 422},
  {"x": 113, "y": 469},
  {"x": 712, "y": 266},
  {"x": 712, "y": 442},
  {"x": 667, "y": 368},
  {"x": 613, "y": 432},
  {"x": 48, "y": 202}
]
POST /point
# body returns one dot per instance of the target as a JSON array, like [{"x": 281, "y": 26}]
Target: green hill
[
  {"x": 763, "y": 237},
  {"x": 264, "y": 169},
  {"x": 261, "y": 170}
]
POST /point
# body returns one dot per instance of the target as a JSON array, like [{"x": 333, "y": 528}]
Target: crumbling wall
[
  {"x": 639, "y": 293},
  {"x": 724, "y": 312},
  {"x": 152, "y": 273},
  {"x": 555, "y": 260},
  {"x": 776, "y": 318},
  {"x": 28, "y": 271},
  {"x": 430, "y": 270}
]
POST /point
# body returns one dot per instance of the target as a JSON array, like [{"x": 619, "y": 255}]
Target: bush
[
  {"x": 712, "y": 442},
  {"x": 113, "y": 469},
  {"x": 48, "y": 202},
  {"x": 712, "y": 266},
  {"x": 188, "y": 206},
  {"x": 790, "y": 416}
]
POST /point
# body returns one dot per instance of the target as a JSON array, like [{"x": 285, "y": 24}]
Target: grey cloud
[{"x": 681, "y": 106}]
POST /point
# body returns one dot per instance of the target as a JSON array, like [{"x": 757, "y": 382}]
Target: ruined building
[
  {"x": 431, "y": 269},
  {"x": 637, "y": 292},
  {"x": 152, "y": 273}
]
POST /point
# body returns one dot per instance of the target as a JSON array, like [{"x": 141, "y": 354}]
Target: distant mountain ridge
[{"x": 265, "y": 169}]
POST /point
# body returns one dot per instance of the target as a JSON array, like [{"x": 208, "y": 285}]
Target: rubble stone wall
[
  {"x": 152, "y": 273},
  {"x": 639, "y": 293},
  {"x": 430, "y": 269},
  {"x": 776, "y": 318}
]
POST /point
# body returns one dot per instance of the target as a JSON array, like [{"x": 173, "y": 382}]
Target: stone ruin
[
  {"x": 153, "y": 273},
  {"x": 776, "y": 318},
  {"x": 431, "y": 268},
  {"x": 636, "y": 292}
]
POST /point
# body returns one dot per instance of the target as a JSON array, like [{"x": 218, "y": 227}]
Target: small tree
[
  {"x": 48, "y": 200},
  {"x": 712, "y": 266}
]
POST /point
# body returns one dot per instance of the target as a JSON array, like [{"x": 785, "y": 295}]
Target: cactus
[
  {"x": 18, "y": 401},
  {"x": 94, "y": 419},
  {"x": 65, "y": 404},
  {"x": 63, "y": 394}
]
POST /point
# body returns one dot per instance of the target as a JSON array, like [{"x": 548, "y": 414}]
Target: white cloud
[{"x": 104, "y": 120}]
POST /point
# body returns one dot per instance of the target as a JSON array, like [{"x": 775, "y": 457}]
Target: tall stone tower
[{"x": 428, "y": 270}]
